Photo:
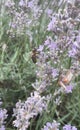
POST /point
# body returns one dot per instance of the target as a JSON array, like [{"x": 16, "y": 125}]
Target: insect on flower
[
  {"x": 68, "y": 77},
  {"x": 34, "y": 55},
  {"x": 65, "y": 80}
]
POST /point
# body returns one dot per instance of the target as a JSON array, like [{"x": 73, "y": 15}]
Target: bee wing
[
  {"x": 61, "y": 84},
  {"x": 69, "y": 76}
]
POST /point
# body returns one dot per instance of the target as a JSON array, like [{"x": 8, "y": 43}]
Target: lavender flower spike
[
  {"x": 69, "y": 127},
  {"x": 51, "y": 126},
  {"x": 24, "y": 111}
]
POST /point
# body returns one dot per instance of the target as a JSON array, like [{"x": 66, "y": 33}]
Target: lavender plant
[
  {"x": 29, "y": 18},
  {"x": 29, "y": 23},
  {"x": 62, "y": 47},
  {"x": 56, "y": 51},
  {"x": 24, "y": 111}
]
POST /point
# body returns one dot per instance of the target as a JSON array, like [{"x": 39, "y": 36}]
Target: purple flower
[
  {"x": 51, "y": 126},
  {"x": 49, "y": 12},
  {"x": 41, "y": 47},
  {"x": 50, "y": 44},
  {"x": 75, "y": 49},
  {"x": 54, "y": 73},
  {"x": 24, "y": 111},
  {"x": 69, "y": 89},
  {"x": 21, "y": 3},
  {"x": 2, "y": 127},
  {"x": 52, "y": 24},
  {"x": 30, "y": 4},
  {"x": 74, "y": 128},
  {"x": 78, "y": 38},
  {"x": 69, "y": 127}
]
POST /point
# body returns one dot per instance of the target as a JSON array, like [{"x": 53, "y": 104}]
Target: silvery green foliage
[{"x": 29, "y": 109}]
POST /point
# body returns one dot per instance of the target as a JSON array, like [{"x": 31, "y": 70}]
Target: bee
[
  {"x": 34, "y": 55},
  {"x": 66, "y": 79}
]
